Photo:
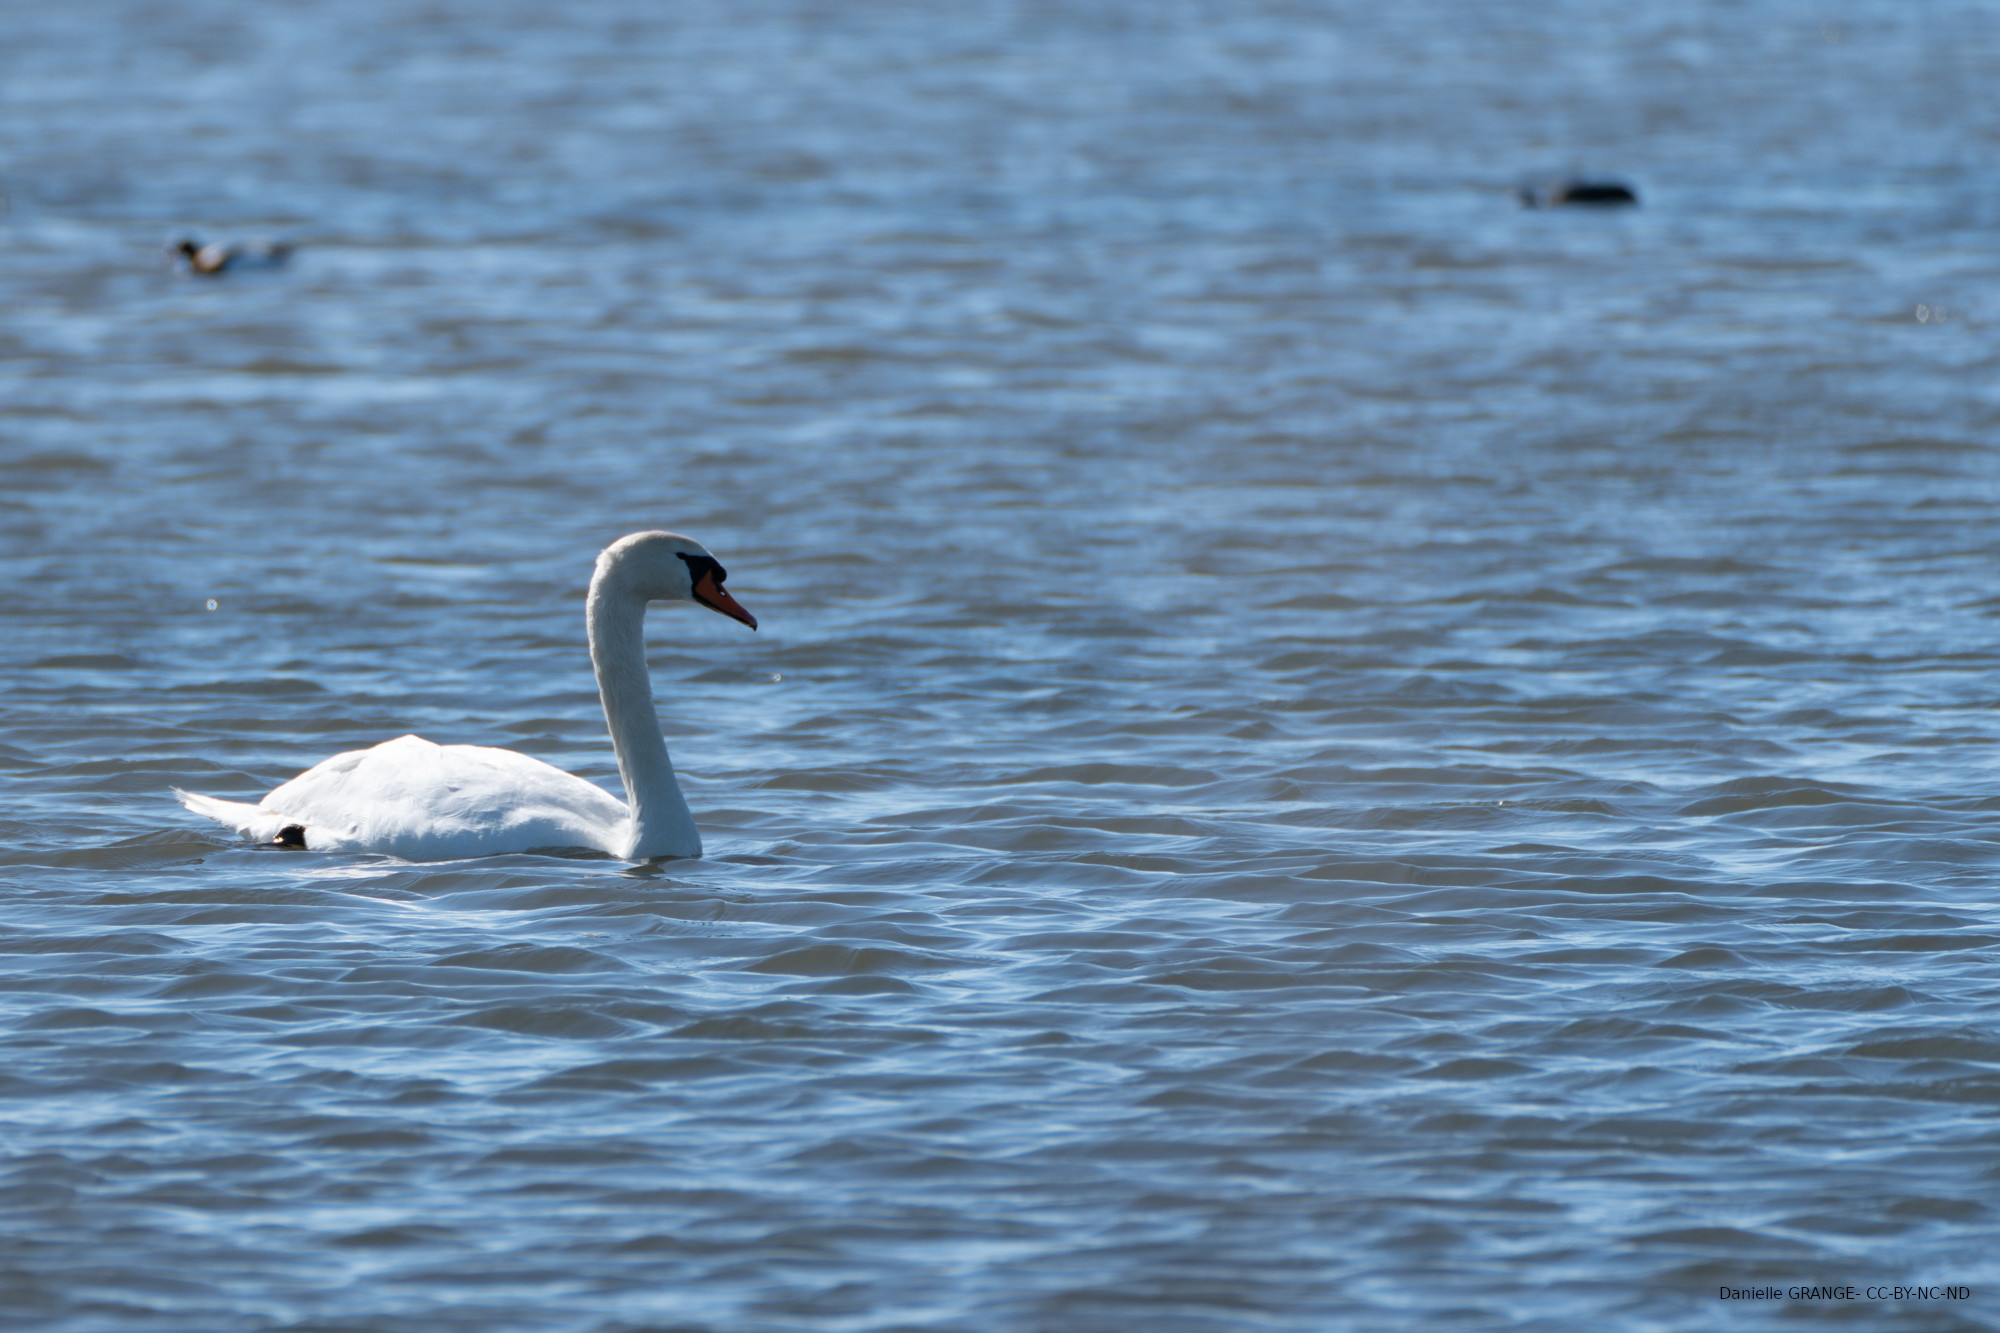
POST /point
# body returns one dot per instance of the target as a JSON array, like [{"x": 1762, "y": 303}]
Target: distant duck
[
  {"x": 1585, "y": 193},
  {"x": 216, "y": 258}
]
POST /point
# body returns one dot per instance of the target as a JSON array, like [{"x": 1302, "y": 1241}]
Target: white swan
[{"x": 426, "y": 802}]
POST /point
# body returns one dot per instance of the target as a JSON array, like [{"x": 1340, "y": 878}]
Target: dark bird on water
[
  {"x": 216, "y": 257},
  {"x": 1587, "y": 193}
]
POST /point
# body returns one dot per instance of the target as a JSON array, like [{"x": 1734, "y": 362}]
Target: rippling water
[{"x": 1326, "y": 751}]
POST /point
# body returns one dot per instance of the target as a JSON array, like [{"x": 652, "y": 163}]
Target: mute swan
[{"x": 426, "y": 802}]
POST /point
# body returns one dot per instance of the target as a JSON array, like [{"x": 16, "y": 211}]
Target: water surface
[{"x": 1325, "y": 751}]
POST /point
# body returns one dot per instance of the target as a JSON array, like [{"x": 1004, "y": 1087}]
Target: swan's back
[{"x": 426, "y": 802}]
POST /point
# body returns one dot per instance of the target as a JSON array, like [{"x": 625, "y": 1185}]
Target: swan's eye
[{"x": 700, "y": 565}]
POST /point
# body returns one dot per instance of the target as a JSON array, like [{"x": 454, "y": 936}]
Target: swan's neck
[{"x": 661, "y": 824}]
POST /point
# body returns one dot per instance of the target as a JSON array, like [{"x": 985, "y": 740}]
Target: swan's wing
[{"x": 426, "y": 802}]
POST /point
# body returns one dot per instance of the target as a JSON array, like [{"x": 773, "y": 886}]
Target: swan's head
[{"x": 667, "y": 567}]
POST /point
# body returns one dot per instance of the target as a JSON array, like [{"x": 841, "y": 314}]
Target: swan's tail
[{"x": 251, "y": 821}]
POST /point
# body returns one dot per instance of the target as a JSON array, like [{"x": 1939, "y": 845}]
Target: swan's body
[{"x": 425, "y": 802}]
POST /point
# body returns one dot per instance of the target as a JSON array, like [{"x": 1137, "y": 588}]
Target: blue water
[{"x": 1325, "y": 751}]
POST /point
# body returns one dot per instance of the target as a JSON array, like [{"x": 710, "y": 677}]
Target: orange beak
[{"x": 712, "y": 595}]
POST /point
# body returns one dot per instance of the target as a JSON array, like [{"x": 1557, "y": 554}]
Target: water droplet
[
  {"x": 1923, "y": 314},
  {"x": 211, "y": 604},
  {"x": 777, "y": 676}
]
